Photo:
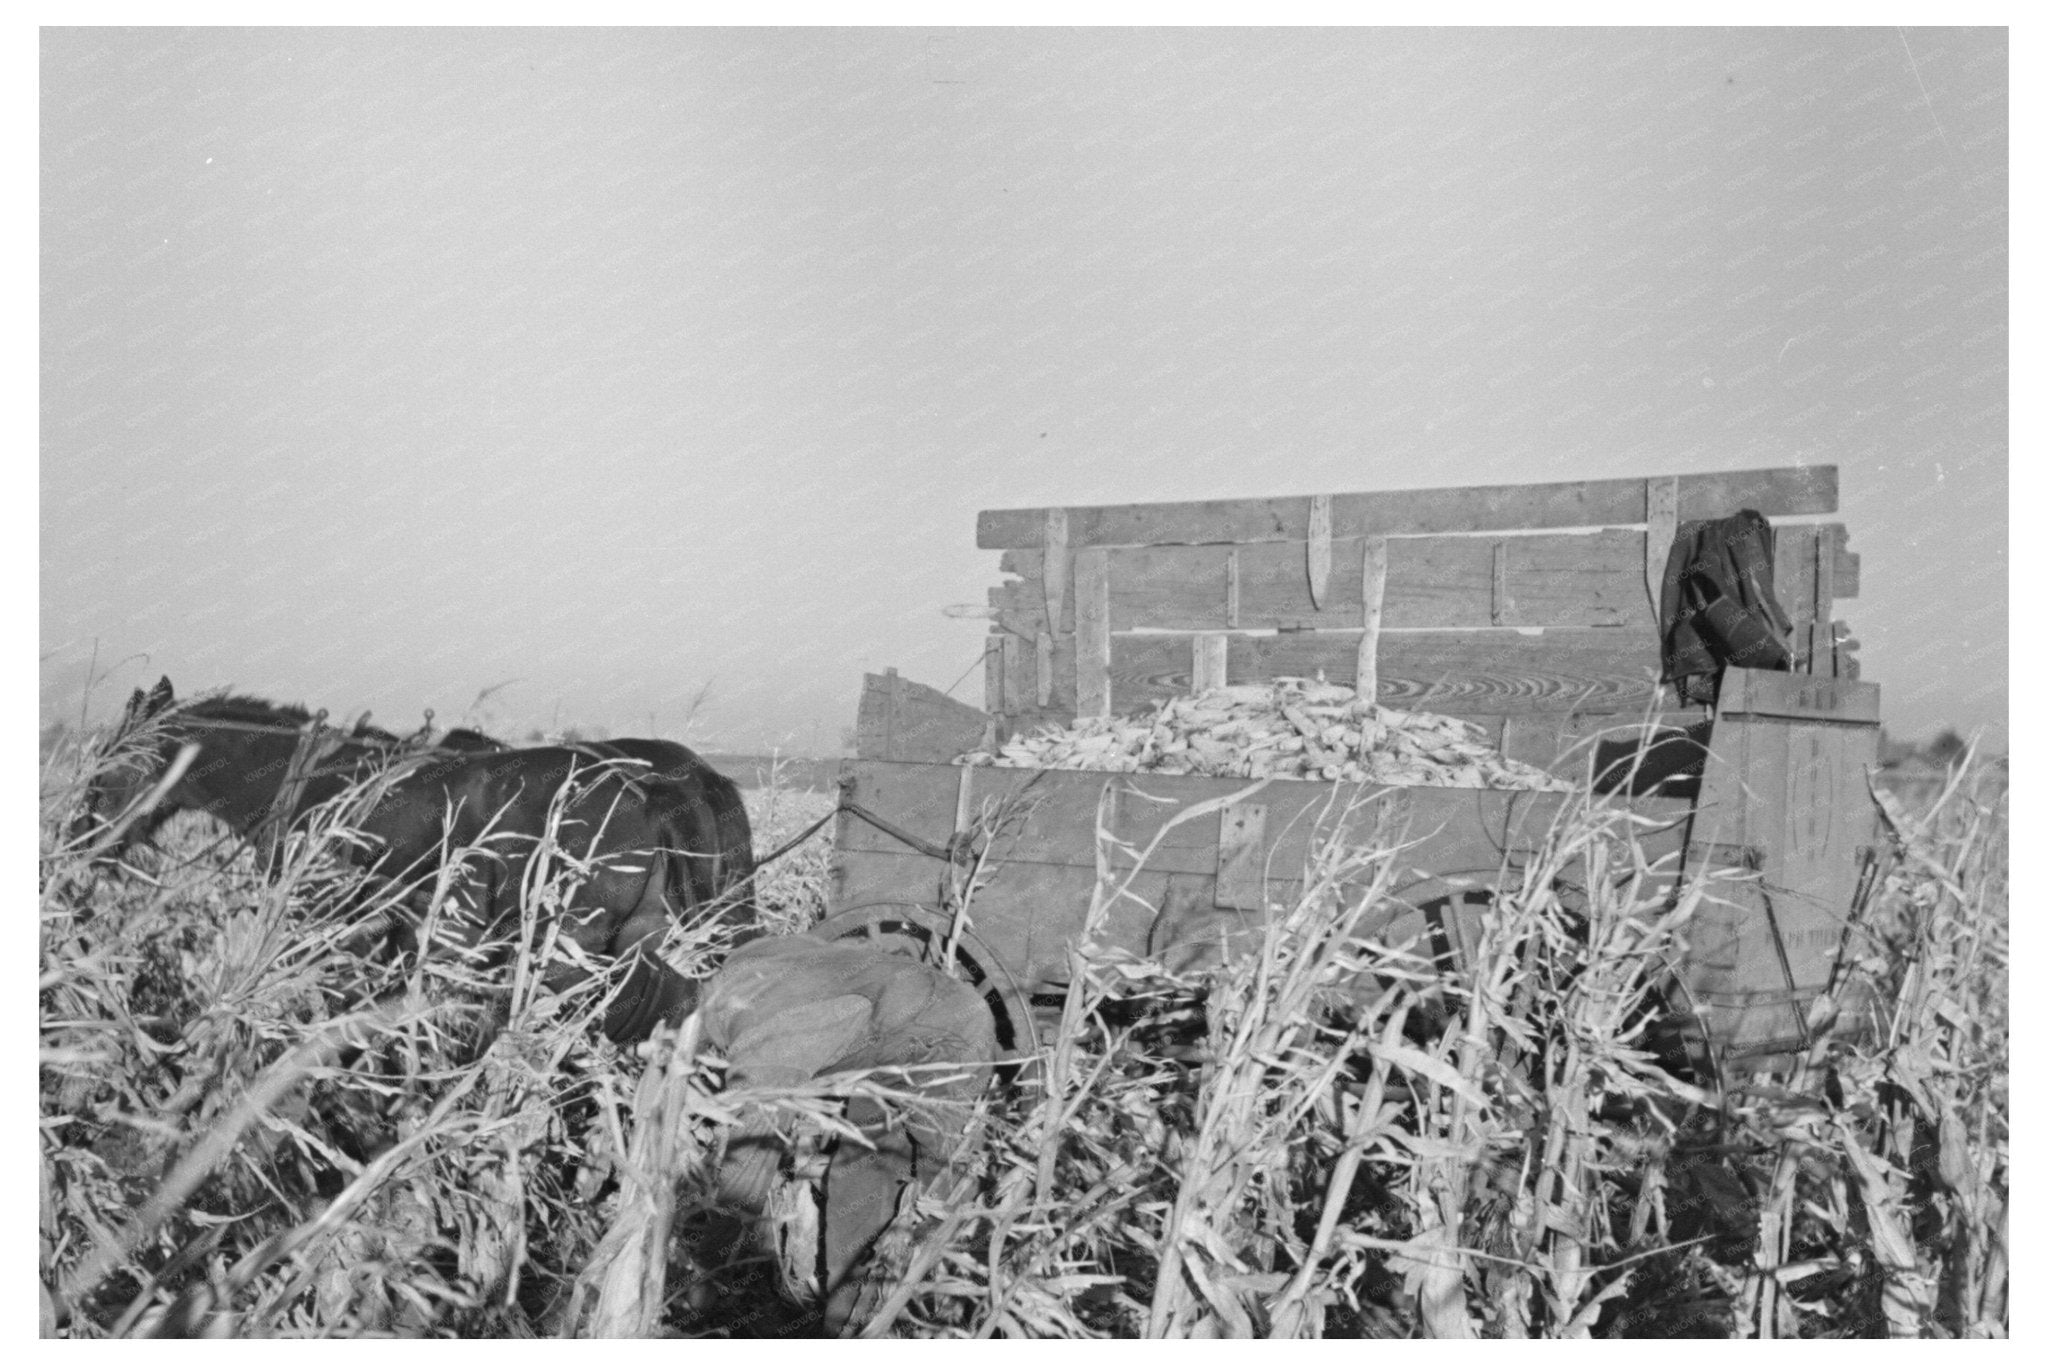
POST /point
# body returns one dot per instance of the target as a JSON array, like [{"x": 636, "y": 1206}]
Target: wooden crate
[{"x": 1784, "y": 796}]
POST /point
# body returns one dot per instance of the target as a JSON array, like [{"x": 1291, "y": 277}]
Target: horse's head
[
  {"x": 466, "y": 741},
  {"x": 142, "y": 748}
]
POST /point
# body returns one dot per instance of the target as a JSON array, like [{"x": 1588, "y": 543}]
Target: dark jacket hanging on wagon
[{"x": 1717, "y": 609}]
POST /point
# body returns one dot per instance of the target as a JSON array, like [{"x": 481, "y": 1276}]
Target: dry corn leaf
[{"x": 1908, "y": 1293}]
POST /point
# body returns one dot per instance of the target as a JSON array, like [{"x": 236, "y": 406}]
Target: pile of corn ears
[{"x": 1290, "y": 727}]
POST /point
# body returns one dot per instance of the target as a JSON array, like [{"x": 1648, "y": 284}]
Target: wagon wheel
[
  {"x": 920, "y": 932},
  {"x": 1445, "y": 915},
  {"x": 1451, "y": 923}
]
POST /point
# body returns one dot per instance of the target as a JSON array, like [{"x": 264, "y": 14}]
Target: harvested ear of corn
[{"x": 1290, "y": 727}]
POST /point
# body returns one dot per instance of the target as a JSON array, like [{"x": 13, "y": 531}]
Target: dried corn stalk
[{"x": 1290, "y": 727}]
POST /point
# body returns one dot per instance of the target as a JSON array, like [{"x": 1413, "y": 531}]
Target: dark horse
[
  {"x": 652, "y": 846},
  {"x": 701, "y": 792}
]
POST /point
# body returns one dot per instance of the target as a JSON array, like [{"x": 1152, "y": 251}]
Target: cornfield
[{"x": 249, "y": 1128}]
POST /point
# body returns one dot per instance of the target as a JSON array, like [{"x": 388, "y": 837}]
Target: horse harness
[{"x": 317, "y": 742}]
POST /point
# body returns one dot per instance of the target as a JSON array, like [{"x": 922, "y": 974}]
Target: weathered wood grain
[
  {"x": 1753, "y": 692},
  {"x": 1091, "y": 633},
  {"x": 1458, "y": 828},
  {"x": 1211, "y": 660},
  {"x": 1594, "y": 502},
  {"x": 1053, "y": 540},
  {"x": 993, "y": 671},
  {"x": 1432, "y": 583},
  {"x": 1824, "y": 602},
  {"x": 1029, "y": 659},
  {"x": 1786, "y": 797},
  {"x": 1847, "y": 665},
  {"x": 1372, "y": 613},
  {"x": 1045, "y": 874},
  {"x": 909, "y": 722},
  {"x": 1318, "y": 549},
  {"x": 1661, "y": 510},
  {"x": 1793, "y": 580},
  {"x": 1241, "y": 857},
  {"x": 1461, "y": 672}
]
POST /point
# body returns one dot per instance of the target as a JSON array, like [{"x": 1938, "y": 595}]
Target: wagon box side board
[
  {"x": 1524, "y": 601},
  {"x": 1459, "y": 672},
  {"x": 1046, "y": 868},
  {"x": 900, "y": 719},
  {"x": 1431, "y": 583},
  {"x": 1794, "y": 491},
  {"x": 1467, "y": 824}
]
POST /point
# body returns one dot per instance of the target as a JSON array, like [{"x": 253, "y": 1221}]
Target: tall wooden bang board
[
  {"x": 1527, "y": 609},
  {"x": 1783, "y": 798}
]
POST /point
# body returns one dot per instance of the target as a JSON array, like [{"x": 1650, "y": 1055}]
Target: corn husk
[{"x": 1288, "y": 728}]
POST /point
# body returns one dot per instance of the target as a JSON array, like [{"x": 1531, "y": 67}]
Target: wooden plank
[
  {"x": 1787, "y": 796},
  {"x": 1501, "y": 604},
  {"x": 1847, "y": 665},
  {"x": 1824, "y": 603},
  {"x": 1372, "y": 614},
  {"x": 1211, "y": 660},
  {"x": 1454, "y": 829},
  {"x": 1241, "y": 857},
  {"x": 1020, "y": 677},
  {"x": 1091, "y": 633},
  {"x": 1045, "y": 871},
  {"x": 1753, "y": 692},
  {"x": 1793, "y": 580},
  {"x": 1053, "y": 575},
  {"x": 1318, "y": 549},
  {"x": 1731, "y": 969},
  {"x": 1594, "y": 502},
  {"x": 964, "y": 808},
  {"x": 1481, "y": 672},
  {"x": 992, "y": 672},
  {"x": 906, "y": 721},
  {"x": 1660, "y": 500},
  {"x": 1433, "y": 582},
  {"x": 874, "y": 719}
]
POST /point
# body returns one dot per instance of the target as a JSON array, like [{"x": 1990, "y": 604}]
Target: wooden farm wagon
[{"x": 1530, "y": 610}]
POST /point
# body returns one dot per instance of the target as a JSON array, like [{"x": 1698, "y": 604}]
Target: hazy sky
[{"x": 382, "y": 367}]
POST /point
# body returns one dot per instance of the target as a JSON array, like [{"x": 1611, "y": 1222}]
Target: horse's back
[
  {"x": 507, "y": 800},
  {"x": 728, "y": 809}
]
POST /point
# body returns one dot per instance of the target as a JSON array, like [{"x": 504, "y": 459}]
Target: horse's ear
[{"x": 160, "y": 696}]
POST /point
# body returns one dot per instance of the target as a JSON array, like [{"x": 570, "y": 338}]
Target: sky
[{"x": 652, "y": 379}]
